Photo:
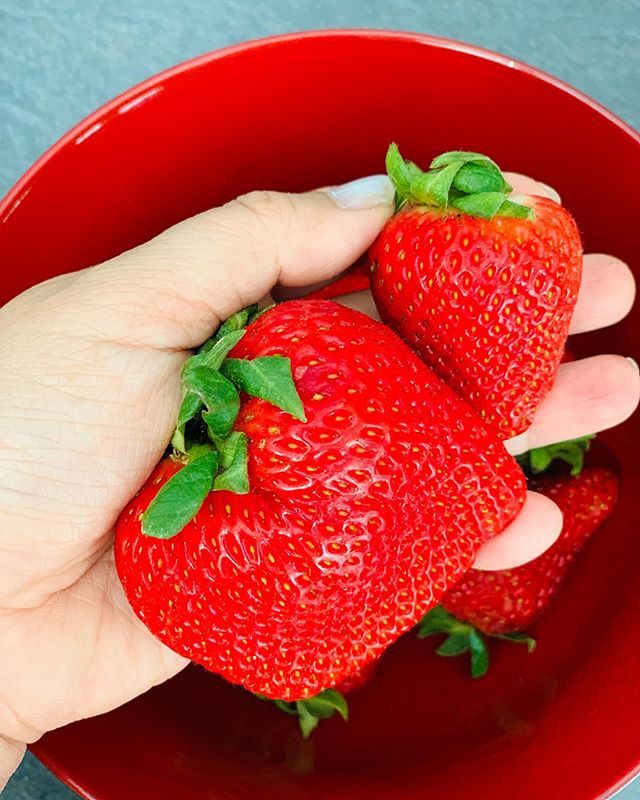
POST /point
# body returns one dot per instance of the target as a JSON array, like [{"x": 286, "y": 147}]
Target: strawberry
[
  {"x": 504, "y": 603},
  {"x": 333, "y": 524},
  {"x": 355, "y": 279},
  {"x": 481, "y": 286}
]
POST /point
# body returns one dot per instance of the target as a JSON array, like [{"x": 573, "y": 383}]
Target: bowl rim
[
  {"x": 83, "y": 127},
  {"x": 147, "y": 86}
]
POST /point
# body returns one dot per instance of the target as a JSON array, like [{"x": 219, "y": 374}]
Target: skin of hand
[{"x": 89, "y": 377}]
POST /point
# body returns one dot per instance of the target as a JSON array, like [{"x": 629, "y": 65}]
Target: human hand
[{"x": 89, "y": 375}]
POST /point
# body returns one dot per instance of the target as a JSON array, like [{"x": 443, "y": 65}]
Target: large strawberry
[
  {"x": 482, "y": 286},
  {"x": 505, "y": 603},
  {"x": 358, "y": 518}
]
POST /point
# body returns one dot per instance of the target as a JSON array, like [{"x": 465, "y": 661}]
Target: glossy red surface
[{"x": 291, "y": 113}]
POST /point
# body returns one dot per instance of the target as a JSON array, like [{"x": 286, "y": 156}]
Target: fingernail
[
  {"x": 551, "y": 192},
  {"x": 369, "y": 192},
  {"x": 518, "y": 444},
  {"x": 634, "y": 362}
]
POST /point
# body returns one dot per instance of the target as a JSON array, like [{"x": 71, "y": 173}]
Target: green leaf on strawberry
[
  {"x": 476, "y": 177},
  {"x": 325, "y": 705},
  {"x": 233, "y": 458},
  {"x": 479, "y": 654},
  {"x": 469, "y": 182},
  {"x": 490, "y": 204},
  {"x": 313, "y": 709},
  {"x": 572, "y": 452},
  {"x": 432, "y": 188},
  {"x": 307, "y": 721},
  {"x": 269, "y": 378},
  {"x": 454, "y": 645},
  {"x": 518, "y": 638},
  {"x": 453, "y": 156},
  {"x": 401, "y": 172},
  {"x": 437, "y": 620},
  {"x": 191, "y": 404},
  {"x": 462, "y": 637},
  {"x": 220, "y": 397},
  {"x": 180, "y": 499},
  {"x": 283, "y": 705},
  {"x": 213, "y": 355},
  {"x": 237, "y": 322},
  {"x": 228, "y": 447},
  {"x": 216, "y": 455},
  {"x": 197, "y": 382}
]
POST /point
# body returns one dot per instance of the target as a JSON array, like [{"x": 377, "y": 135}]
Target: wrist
[{"x": 11, "y": 753}]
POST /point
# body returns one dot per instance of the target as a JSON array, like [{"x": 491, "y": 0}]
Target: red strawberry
[
  {"x": 505, "y": 602},
  {"x": 483, "y": 288},
  {"x": 355, "y": 279},
  {"x": 357, "y": 520}
]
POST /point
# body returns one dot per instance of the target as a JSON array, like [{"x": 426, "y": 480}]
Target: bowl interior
[{"x": 291, "y": 114}]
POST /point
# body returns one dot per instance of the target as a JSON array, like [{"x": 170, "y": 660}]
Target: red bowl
[{"x": 291, "y": 113}]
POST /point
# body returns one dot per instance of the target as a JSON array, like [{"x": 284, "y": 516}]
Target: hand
[{"x": 89, "y": 376}]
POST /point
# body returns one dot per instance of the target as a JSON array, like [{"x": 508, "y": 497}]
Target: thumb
[{"x": 174, "y": 290}]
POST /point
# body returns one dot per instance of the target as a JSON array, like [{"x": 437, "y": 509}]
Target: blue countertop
[{"x": 60, "y": 59}]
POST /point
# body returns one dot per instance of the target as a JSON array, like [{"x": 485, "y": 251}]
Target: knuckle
[{"x": 273, "y": 211}]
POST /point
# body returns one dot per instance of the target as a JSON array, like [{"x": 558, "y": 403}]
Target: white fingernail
[
  {"x": 369, "y": 192},
  {"x": 634, "y": 362},
  {"x": 518, "y": 444},
  {"x": 551, "y": 192}
]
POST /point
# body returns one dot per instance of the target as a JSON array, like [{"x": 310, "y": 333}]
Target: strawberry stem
[
  {"x": 468, "y": 182},
  {"x": 462, "y": 637},
  {"x": 313, "y": 709},
  {"x": 572, "y": 452}
]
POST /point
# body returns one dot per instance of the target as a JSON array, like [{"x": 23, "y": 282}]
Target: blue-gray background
[{"x": 60, "y": 59}]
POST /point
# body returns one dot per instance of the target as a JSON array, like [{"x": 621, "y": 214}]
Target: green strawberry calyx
[
  {"x": 572, "y": 452},
  {"x": 462, "y": 637},
  {"x": 214, "y": 455},
  {"x": 310, "y": 711},
  {"x": 467, "y": 182}
]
